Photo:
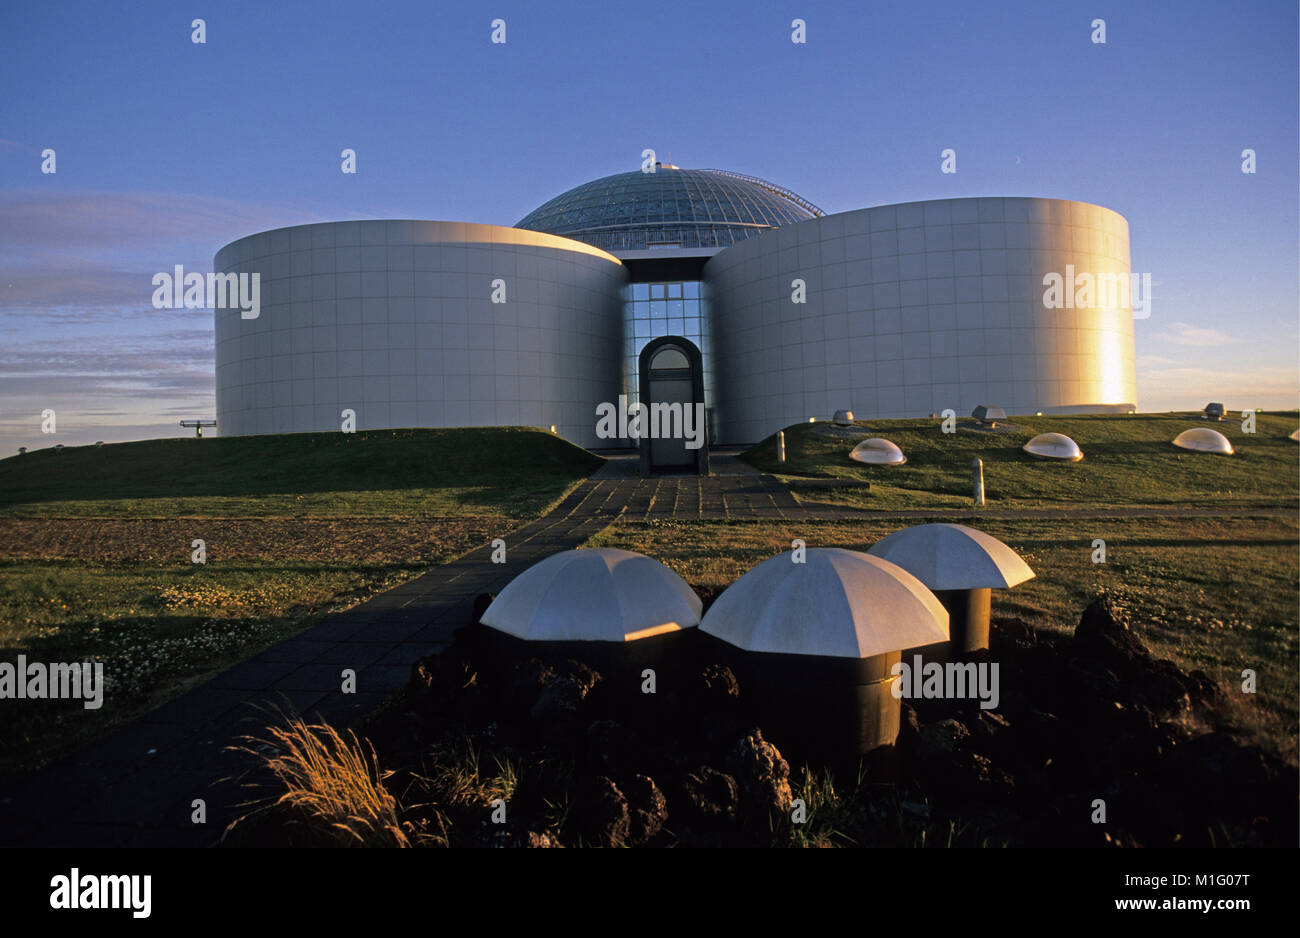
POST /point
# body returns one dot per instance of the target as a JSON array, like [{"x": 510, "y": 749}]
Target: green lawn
[
  {"x": 1128, "y": 460},
  {"x": 158, "y": 629},
  {"x": 508, "y": 472}
]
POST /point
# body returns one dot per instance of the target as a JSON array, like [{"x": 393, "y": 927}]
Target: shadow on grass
[{"x": 498, "y": 462}]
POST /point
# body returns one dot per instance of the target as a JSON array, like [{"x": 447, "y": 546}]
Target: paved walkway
[{"x": 136, "y": 786}]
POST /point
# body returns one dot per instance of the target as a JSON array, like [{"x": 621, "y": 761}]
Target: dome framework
[{"x": 685, "y": 208}]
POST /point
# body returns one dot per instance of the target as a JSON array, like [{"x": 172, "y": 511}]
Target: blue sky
[{"x": 166, "y": 150}]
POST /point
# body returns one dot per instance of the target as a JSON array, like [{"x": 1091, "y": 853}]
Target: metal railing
[{"x": 771, "y": 187}]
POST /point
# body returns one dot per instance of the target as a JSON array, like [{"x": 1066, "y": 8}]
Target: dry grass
[
  {"x": 321, "y": 540},
  {"x": 331, "y": 783}
]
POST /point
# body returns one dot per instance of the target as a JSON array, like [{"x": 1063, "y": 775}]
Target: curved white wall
[
  {"x": 915, "y": 308},
  {"x": 394, "y": 319}
]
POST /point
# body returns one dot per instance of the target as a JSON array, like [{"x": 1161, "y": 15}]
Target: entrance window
[{"x": 669, "y": 358}]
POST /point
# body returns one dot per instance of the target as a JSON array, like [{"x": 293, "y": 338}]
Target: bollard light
[{"x": 977, "y": 479}]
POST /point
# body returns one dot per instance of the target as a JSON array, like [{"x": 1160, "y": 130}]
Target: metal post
[
  {"x": 977, "y": 479},
  {"x": 780, "y": 446}
]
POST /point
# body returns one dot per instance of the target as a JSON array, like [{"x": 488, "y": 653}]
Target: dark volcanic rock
[
  {"x": 1090, "y": 681},
  {"x": 1110, "y": 664},
  {"x": 611, "y": 748},
  {"x": 718, "y": 687},
  {"x": 1015, "y": 633},
  {"x": 442, "y": 686},
  {"x": 1103, "y": 632},
  {"x": 1164, "y": 687},
  {"x": 974, "y": 775},
  {"x": 761, "y": 774},
  {"x": 1231, "y": 777},
  {"x": 560, "y": 698},
  {"x": 1201, "y": 687},
  {"x": 713, "y": 718},
  {"x": 599, "y": 814},
  {"x": 481, "y": 603},
  {"x": 936, "y": 740},
  {"x": 709, "y": 797},
  {"x": 909, "y": 725},
  {"x": 467, "y": 636},
  {"x": 647, "y": 809},
  {"x": 990, "y": 734},
  {"x": 524, "y": 684}
]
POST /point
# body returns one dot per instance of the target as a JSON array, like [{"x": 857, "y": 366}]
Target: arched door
[{"x": 672, "y": 390}]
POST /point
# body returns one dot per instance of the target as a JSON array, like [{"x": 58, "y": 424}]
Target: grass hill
[
  {"x": 512, "y": 471},
  {"x": 1128, "y": 460}
]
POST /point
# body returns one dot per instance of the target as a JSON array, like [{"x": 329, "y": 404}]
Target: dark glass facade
[{"x": 652, "y": 310}]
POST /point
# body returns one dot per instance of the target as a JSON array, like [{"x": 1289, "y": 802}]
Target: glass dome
[{"x": 669, "y": 208}]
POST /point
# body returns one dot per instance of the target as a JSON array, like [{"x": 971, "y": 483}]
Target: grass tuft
[{"x": 331, "y": 782}]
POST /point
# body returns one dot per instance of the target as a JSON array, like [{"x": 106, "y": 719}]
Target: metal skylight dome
[{"x": 671, "y": 207}]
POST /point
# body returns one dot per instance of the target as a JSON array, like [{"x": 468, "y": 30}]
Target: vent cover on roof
[
  {"x": 838, "y": 603},
  {"x": 596, "y": 595},
  {"x": 953, "y": 557},
  {"x": 1204, "y": 440},
  {"x": 878, "y": 451},
  {"x": 1054, "y": 446}
]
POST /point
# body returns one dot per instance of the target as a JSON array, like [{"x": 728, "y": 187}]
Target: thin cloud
[
  {"x": 1183, "y": 333},
  {"x": 1182, "y": 387}
]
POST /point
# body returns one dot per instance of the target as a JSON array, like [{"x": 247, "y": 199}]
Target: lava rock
[
  {"x": 1230, "y": 776},
  {"x": 647, "y": 809},
  {"x": 561, "y": 698},
  {"x": 717, "y": 688},
  {"x": 442, "y": 686},
  {"x": 523, "y": 685},
  {"x": 975, "y": 775},
  {"x": 467, "y": 636},
  {"x": 481, "y": 603},
  {"x": 611, "y": 747},
  {"x": 936, "y": 740},
  {"x": 762, "y": 775},
  {"x": 990, "y": 734},
  {"x": 1164, "y": 688},
  {"x": 909, "y": 725},
  {"x": 710, "y": 797},
  {"x": 1091, "y": 683},
  {"x": 1201, "y": 687},
  {"x": 599, "y": 814},
  {"x": 1104, "y": 633},
  {"x": 1013, "y": 632}
]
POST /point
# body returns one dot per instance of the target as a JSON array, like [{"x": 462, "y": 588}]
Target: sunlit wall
[
  {"x": 914, "y": 308},
  {"x": 396, "y": 321}
]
